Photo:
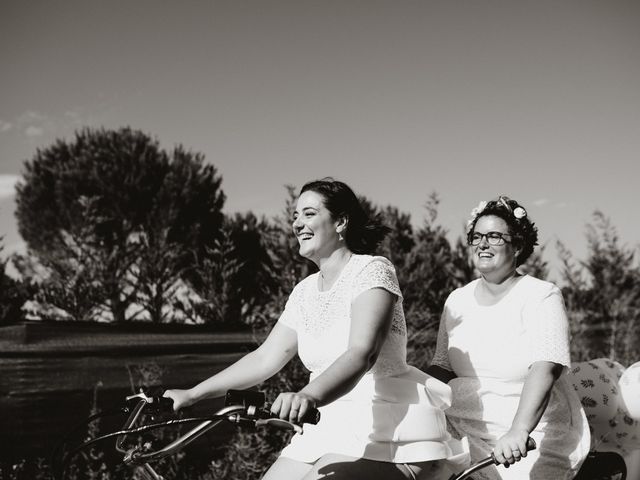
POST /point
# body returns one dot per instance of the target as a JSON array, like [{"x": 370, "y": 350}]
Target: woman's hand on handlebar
[
  {"x": 181, "y": 398},
  {"x": 511, "y": 447},
  {"x": 292, "y": 406}
]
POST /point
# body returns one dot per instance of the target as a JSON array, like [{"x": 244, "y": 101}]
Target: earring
[{"x": 340, "y": 236}]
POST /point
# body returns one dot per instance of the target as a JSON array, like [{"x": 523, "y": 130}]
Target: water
[{"x": 54, "y": 376}]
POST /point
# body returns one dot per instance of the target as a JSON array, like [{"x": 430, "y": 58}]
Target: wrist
[
  {"x": 194, "y": 395},
  {"x": 519, "y": 428},
  {"x": 310, "y": 396}
]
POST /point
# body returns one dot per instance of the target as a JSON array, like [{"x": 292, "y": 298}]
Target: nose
[
  {"x": 484, "y": 242},
  {"x": 296, "y": 224}
]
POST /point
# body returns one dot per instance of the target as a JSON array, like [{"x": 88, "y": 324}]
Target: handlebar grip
[
  {"x": 161, "y": 404},
  {"x": 311, "y": 416},
  {"x": 531, "y": 445}
]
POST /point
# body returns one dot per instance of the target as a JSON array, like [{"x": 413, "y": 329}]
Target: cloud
[
  {"x": 34, "y": 124},
  {"x": 540, "y": 202},
  {"x": 33, "y": 131},
  {"x": 74, "y": 117},
  {"x": 7, "y": 185},
  {"x": 553, "y": 204},
  {"x": 30, "y": 116},
  {"x": 5, "y": 126}
]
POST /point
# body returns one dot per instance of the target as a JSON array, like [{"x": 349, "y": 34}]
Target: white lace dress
[
  {"x": 389, "y": 415},
  {"x": 490, "y": 349}
]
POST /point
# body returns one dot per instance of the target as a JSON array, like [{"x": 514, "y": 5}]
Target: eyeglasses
[{"x": 493, "y": 238}]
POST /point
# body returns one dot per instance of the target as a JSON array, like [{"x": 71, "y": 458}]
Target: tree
[
  {"x": 431, "y": 271},
  {"x": 13, "y": 294},
  {"x": 127, "y": 217},
  {"x": 277, "y": 262},
  {"x": 235, "y": 276},
  {"x": 602, "y": 295},
  {"x": 535, "y": 265}
]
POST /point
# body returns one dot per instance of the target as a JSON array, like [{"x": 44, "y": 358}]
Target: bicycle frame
[
  {"x": 237, "y": 413},
  {"x": 248, "y": 411},
  {"x": 245, "y": 408}
]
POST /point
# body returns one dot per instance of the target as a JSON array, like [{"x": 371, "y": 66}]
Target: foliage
[
  {"x": 427, "y": 273},
  {"x": 13, "y": 294},
  {"x": 115, "y": 221},
  {"x": 602, "y": 295},
  {"x": 118, "y": 224},
  {"x": 236, "y": 275},
  {"x": 250, "y": 453}
]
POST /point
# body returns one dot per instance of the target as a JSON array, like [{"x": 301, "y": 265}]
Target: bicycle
[{"x": 242, "y": 407}]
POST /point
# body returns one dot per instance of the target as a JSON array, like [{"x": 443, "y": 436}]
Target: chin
[
  {"x": 304, "y": 252},
  {"x": 484, "y": 266}
]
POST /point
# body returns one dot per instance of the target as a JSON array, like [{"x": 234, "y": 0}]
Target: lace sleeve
[
  {"x": 549, "y": 338},
  {"x": 441, "y": 356},
  {"x": 291, "y": 313},
  {"x": 379, "y": 273}
]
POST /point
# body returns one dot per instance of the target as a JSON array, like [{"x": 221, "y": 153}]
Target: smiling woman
[
  {"x": 380, "y": 418},
  {"x": 315, "y": 228},
  {"x": 503, "y": 345}
]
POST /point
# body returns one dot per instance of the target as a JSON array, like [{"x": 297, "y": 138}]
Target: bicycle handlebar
[
  {"x": 162, "y": 404},
  {"x": 242, "y": 407},
  {"x": 491, "y": 459},
  {"x": 248, "y": 407}
]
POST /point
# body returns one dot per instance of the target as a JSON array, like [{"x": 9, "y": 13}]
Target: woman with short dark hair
[{"x": 380, "y": 418}]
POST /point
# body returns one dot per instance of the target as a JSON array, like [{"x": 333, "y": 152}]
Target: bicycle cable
[
  {"x": 144, "y": 428},
  {"x": 57, "y": 450}
]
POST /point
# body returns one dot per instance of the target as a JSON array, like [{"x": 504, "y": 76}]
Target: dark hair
[
  {"x": 363, "y": 233},
  {"x": 523, "y": 231}
]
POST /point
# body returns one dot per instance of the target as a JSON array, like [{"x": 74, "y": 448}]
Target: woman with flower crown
[{"x": 503, "y": 348}]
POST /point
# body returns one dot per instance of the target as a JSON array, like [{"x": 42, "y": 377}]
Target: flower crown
[{"x": 517, "y": 212}]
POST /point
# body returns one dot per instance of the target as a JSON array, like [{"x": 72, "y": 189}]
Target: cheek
[{"x": 508, "y": 255}]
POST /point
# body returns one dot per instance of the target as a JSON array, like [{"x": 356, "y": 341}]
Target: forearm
[
  {"x": 535, "y": 395},
  {"x": 340, "y": 378},
  {"x": 250, "y": 370},
  {"x": 371, "y": 316}
]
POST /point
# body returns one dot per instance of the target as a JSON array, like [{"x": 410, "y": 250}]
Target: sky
[{"x": 469, "y": 99}]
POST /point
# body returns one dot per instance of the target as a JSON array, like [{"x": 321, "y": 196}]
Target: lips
[
  {"x": 485, "y": 255},
  {"x": 305, "y": 236}
]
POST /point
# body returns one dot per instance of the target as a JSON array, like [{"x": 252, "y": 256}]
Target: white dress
[
  {"x": 389, "y": 415},
  {"x": 490, "y": 349}
]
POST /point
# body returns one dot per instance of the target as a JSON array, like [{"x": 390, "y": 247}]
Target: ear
[
  {"x": 341, "y": 224},
  {"x": 516, "y": 252}
]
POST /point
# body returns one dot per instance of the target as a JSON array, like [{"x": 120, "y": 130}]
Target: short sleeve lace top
[{"x": 322, "y": 319}]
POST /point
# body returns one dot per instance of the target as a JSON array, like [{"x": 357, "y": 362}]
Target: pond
[{"x": 54, "y": 375}]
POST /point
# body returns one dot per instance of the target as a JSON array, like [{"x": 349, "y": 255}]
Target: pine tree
[
  {"x": 116, "y": 221},
  {"x": 602, "y": 295}
]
